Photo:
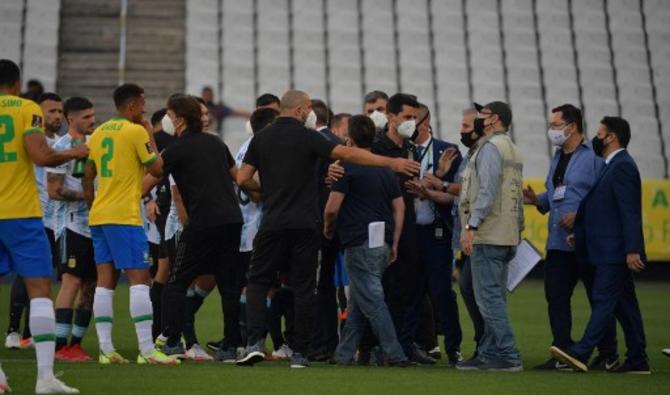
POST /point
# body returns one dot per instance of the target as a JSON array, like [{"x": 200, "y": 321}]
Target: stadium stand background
[{"x": 608, "y": 56}]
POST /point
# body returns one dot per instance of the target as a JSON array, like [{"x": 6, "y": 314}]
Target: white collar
[
  {"x": 320, "y": 128},
  {"x": 425, "y": 143},
  {"x": 612, "y": 155}
]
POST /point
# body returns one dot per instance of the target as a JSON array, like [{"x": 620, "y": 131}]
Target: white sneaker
[
  {"x": 13, "y": 340},
  {"x": 666, "y": 352},
  {"x": 196, "y": 353},
  {"x": 53, "y": 386},
  {"x": 283, "y": 353}
]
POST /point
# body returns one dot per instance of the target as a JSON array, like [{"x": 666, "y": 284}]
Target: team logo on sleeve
[
  {"x": 149, "y": 148},
  {"x": 37, "y": 121}
]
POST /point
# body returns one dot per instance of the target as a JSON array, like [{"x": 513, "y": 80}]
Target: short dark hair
[
  {"x": 48, "y": 96},
  {"x": 397, "y": 101},
  {"x": 76, "y": 104},
  {"x": 322, "y": 111},
  {"x": 266, "y": 99},
  {"x": 373, "y": 96},
  {"x": 158, "y": 116},
  {"x": 570, "y": 114},
  {"x": 619, "y": 127},
  {"x": 362, "y": 130},
  {"x": 262, "y": 117},
  {"x": 126, "y": 92},
  {"x": 9, "y": 73},
  {"x": 337, "y": 118},
  {"x": 187, "y": 107}
]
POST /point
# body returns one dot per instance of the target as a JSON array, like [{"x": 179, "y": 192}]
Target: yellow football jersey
[
  {"x": 18, "y": 188},
  {"x": 119, "y": 149}
]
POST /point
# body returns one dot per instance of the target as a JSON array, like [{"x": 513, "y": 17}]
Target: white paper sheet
[
  {"x": 376, "y": 232},
  {"x": 527, "y": 256}
]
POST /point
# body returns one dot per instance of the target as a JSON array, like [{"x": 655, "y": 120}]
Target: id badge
[
  {"x": 439, "y": 233},
  {"x": 559, "y": 193}
]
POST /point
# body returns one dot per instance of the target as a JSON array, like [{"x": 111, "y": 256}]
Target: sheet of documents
[
  {"x": 527, "y": 256},
  {"x": 376, "y": 231}
]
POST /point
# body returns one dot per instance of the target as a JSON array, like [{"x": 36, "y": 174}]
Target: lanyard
[{"x": 425, "y": 152}]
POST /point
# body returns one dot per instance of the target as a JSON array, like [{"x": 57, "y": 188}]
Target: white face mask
[
  {"x": 310, "y": 122},
  {"x": 557, "y": 136},
  {"x": 168, "y": 125},
  {"x": 406, "y": 129},
  {"x": 248, "y": 128},
  {"x": 379, "y": 119}
]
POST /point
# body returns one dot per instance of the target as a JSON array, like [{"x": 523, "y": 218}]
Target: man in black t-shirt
[
  {"x": 159, "y": 208},
  {"x": 365, "y": 196},
  {"x": 285, "y": 155},
  {"x": 204, "y": 172}
]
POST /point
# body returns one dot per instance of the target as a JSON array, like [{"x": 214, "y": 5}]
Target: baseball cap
[{"x": 499, "y": 108}]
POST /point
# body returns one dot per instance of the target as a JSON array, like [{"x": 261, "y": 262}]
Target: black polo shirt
[
  {"x": 200, "y": 164},
  {"x": 384, "y": 146},
  {"x": 286, "y": 155},
  {"x": 322, "y": 170}
]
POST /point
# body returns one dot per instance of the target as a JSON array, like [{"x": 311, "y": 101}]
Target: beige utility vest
[{"x": 501, "y": 226}]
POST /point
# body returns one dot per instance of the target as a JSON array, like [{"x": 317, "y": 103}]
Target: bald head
[
  {"x": 295, "y": 104},
  {"x": 293, "y": 99}
]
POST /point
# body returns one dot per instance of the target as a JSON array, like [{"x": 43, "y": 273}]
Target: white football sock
[
  {"x": 43, "y": 328},
  {"x": 142, "y": 314},
  {"x": 103, "y": 310}
]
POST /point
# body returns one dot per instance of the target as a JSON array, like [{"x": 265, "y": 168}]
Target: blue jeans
[
  {"x": 489, "y": 265},
  {"x": 366, "y": 304}
]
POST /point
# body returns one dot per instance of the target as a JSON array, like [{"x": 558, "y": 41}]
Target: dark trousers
[
  {"x": 613, "y": 295},
  {"x": 325, "y": 336},
  {"x": 435, "y": 268},
  {"x": 294, "y": 250},
  {"x": 212, "y": 250},
  {"x": 281, "y": 306},
  {"x": 230, "y": 280},
  {"x": 468, "y": 294},
  {"x": 562, "y": 271},
  {"x": 426, "y": 335}
]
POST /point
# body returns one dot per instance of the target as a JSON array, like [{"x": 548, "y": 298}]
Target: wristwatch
[
  {"x": 445, "y": 185},
  {"x": 146, "y": 199},
  {"x": 470, "y": 227}
]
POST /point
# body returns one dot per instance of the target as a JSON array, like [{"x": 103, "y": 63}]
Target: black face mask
[
  {"x": 598, "y": 145},
  {"x": 479, "y": 126},
  {"x": 469, "y": 139}
]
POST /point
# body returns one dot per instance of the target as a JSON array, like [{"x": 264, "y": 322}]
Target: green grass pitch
[{"x": 529, "y": 319}]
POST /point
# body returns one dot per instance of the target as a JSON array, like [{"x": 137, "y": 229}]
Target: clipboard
[{"x": 526, "y": 258}]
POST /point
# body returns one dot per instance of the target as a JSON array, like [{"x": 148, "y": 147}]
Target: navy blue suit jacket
[
  {"x": 609, "y": 219},
  {"x": 439, "y": 147}
]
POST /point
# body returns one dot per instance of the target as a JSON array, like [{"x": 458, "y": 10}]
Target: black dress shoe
[
  {"x": 454, "y": 357},
  {"x": 605, "y": 363},
  {"x": 633, "y": 368},
  {"x": 321, "y": 357},
  {"x": 551, "y": 364},
  {"x": 419, "y": 356}
]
